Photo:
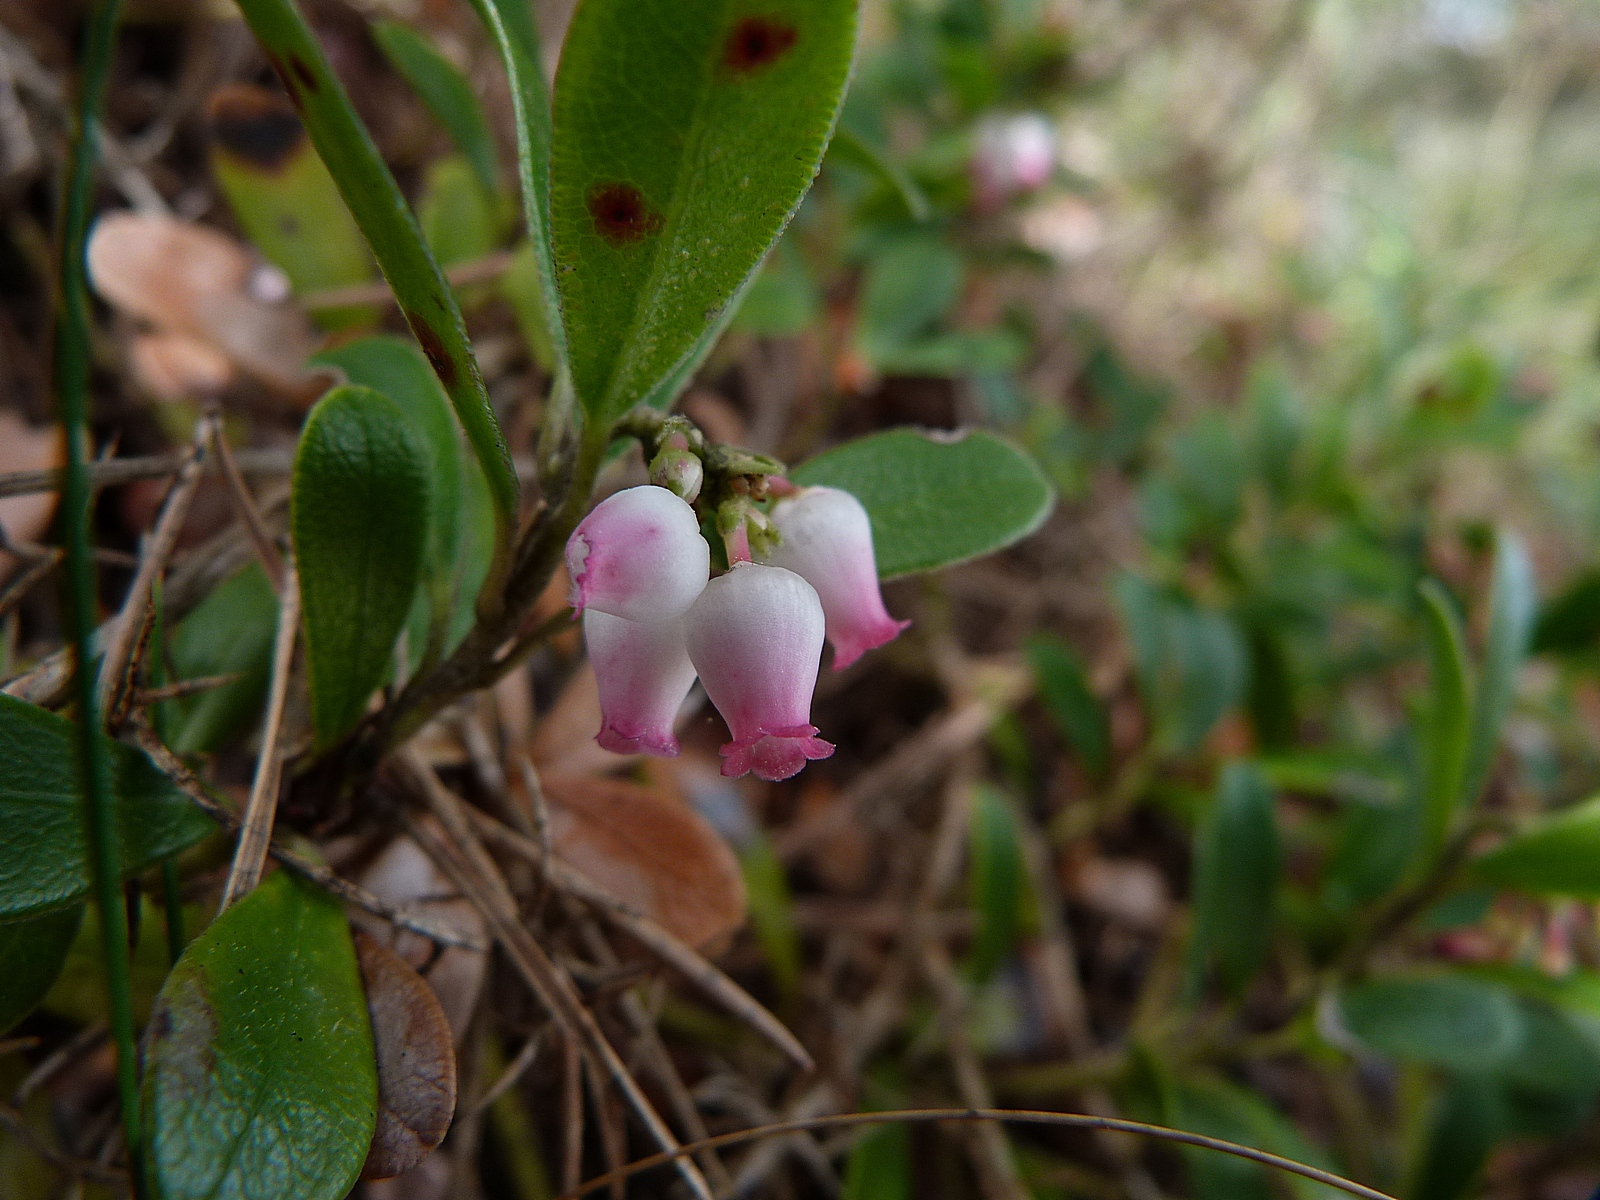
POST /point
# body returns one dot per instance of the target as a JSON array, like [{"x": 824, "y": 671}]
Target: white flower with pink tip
[
  {"x": 755, "y": 635},
  {"x": 827, "y": 541},
  {"x": 653, "y": 620}
]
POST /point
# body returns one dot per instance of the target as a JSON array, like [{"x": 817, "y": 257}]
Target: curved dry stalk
[
  {"x": 255, "y": 831},
  {"x": 1015, "y": 1115},
  {"x": 123, "y": 632}
]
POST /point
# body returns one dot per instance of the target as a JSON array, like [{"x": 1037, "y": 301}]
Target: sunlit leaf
[
  {"x": 259, "y": 1078},
  {"x": 359, "y": 515},
  {"x": 44, "y": 855},
  {"x": 935, "y": 499},
  {"x": 681, "y": 149}
]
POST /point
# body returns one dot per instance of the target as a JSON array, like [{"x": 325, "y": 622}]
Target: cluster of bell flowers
[{"x": 654, "y": 620}]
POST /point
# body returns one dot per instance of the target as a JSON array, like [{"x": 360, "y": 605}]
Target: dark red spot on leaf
[
  {"x": 620, "y": 213},
  {"x": 433, "y": 347},
  {"x": 757, "y": 42}
]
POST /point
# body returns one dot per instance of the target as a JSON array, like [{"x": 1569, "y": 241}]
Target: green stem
[
  {"x": 172, "y": 901},
  {"x": 72, "y": 398}
]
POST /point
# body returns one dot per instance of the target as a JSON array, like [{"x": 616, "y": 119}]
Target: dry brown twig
[
  {"x": 244, "y": 503},
  {"x": 312, "y": 872},
  {"x": 458, "y": 853},
  {"x": 255, "y": 830},
  {"x": 715, "y": 985},
  {"x": 125, "y": 629}
]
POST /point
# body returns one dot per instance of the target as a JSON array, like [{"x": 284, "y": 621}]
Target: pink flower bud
[
  {"x": 827, "y": 541},
  {"x": 644, "y": 673},
  {"x": 638, "y": 555},
  {"x": 755, "y": 635},
  {"x": 1013, "y": 154}
]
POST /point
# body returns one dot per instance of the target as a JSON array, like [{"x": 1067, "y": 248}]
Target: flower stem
[{"x": 72, "y": 397}]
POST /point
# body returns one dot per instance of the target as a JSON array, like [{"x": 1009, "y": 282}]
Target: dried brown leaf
[
  {"x": 186, "y": 278},
  {"x": 416, "y": 1062},
  {"x": 650, "y": 851},
  {"x": 404, "y": 876},
  {"x": 179, "y": 366},
  {"x": 24, "y": 448}
]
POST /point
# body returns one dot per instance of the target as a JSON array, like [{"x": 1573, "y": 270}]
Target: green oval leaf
[
  {"x": 683, "y": 143},
  {"x": 446, "y": 92},
  {"x": 1446, "y": 726},
  {"x": 936, "y": 499},
  {"x": 359, "y": 516},
  {"x": 1236, "y": 878},
  {"x": 44, "y": 856},
  {"x": 1076, "y": 710},
  {"x": 996, "y": 880},
  {"x": 1444, "y": 1020},
  {"x": 32, "y": 953},
  {"x": 1557, "y": 856},
  {"x": 260, "y": 1078},
  {"x": 229, "y": 633},
  {"x": 1514, "y": 605}
]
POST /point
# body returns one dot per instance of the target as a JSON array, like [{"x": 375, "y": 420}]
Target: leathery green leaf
[
  {"x": 260, "y": 1080},
  {"x": 1558, "y": 856},
  {"x": 1236, "y": 878},
  {"x": 44, "y": 856},
  {"x": 1448, "y": 713},
  {"x": 511, "y": 26},
  {"x": 447, "y": 93},
  {"x": 996, "y": 880},
  {"x": 359, "y": 517},
  {"x": 32, "y": 951},
  {"x": 391, "y": 230},
  {"x": 1514, "y": 606},
  {"x": 935, "y": 499},
  {"x": 683, "y": 142},
  {"x": 1445, "y": 1020}
]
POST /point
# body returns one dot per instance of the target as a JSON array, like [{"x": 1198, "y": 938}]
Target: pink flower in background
[
  {"x": 644, "y": 673},
  {"x": 827, "y": 541},
  {"x": 1013, "y": 154},
  {"x": 638, "y": 555},
  {"x": 755, "y": 635}
]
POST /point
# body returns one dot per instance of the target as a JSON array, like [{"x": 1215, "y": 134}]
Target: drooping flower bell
[
  {"x": 1013, "y": 154},
  {"x": 644, "y": 673},
  {"x": 639, "y": 555},
  {"x": 755, "y": 635},
  {"x": 827, "y": 541}
]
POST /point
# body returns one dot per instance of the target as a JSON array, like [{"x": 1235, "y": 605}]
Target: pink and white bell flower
[
  {"x": 638, "y": 555},
  {"x": 827, "y": 541},
  {"x": 755, "y": 635},
  {"x": 1013, "y": 154},
  {"x": 644, "y": 673}
]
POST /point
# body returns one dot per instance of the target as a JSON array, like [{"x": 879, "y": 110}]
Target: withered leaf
[
  {"x": 416, "y": 1062},
  {"x": 651, "y": 851}
]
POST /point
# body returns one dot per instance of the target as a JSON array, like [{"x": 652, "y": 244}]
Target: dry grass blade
[
  {"x": 255, "y": 833},
  {"x": 113, "y": 472},
  {"x": 684, "y": 959},
  {"x": 145, "y": 697},
  {"x": 514, "y": 1071},
  {"x": 461, "y": 856},
  {"x": 1014, "y": 1115},
  {"x": 478, "y": 270},
  {"x": 312, "y": 872},
  {"x": 266, "y": 550},
  {"x": 124, "y": 631}
]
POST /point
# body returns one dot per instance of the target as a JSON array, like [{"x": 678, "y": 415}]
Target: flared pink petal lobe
[
  {"x": 644, "y": 673},
  {"x": 775, "y": 756},
  {"x": 639, "y": 555},
  {"x": 755, "y": 635},
  {"x": 827, "y": 541}
]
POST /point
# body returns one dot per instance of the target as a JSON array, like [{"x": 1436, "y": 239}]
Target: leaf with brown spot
[
  {"x": 652, "y": 852},
  {"x": 416, "y": 1062}
]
